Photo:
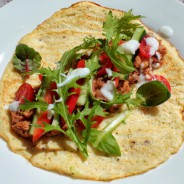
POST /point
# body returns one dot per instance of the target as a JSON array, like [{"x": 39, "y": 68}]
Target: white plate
[{"x": 21, "y": 17}]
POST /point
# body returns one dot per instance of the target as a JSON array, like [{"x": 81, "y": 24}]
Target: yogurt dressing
[
  {"x": 14, "y": 106},
  {"x": 130, "y": 46},
  {"x": 79, "y": 72},
  {"x": 108, "y": 90},
  {"x": 166, "y": 31}
]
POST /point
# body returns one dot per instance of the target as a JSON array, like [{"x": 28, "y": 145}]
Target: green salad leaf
[{"x": 26, "y": 59}]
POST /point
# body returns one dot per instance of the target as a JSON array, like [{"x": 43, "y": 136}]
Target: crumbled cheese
[
  {"x": 108, "y": 90},
  {"x": 14, "y": 106},
  {"x": 79, "y": 72},
  {"x": 131, "y": 46}
]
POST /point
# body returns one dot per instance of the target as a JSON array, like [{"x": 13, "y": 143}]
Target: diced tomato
[
  {"x": 115, "y": 69},
  {"x": 162, "y": 79},
  {"x": 50, "y": 94},
  {"x": 106, "y": 63},
  {"x": 25, "y": 91},
  {"x": 38, "y": 132},
  {"x": 116, "y": 81},
  {"x": 121, "y": 42},
  {"x": 81, "y": 63},
  {"x": 104, "y": 58},
  {"x": 72, "y": 99},
  {"x": 144, "y": 49},
  {"x": 40, "y": 77},
  {"x": 101, "y": 71},
  {"x": 98, "y": 120}
]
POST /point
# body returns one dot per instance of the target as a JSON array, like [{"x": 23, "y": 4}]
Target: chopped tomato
[
  {"x": 144, "y": 49},
  {"x": 81, "y": 63},
  {"x": 163, "y": 80},
  {"x": 72, "y": 99},
  {"x": 98, "y": 120},
  {"x": 40, "y": 77},
  {"x": 38, "y": 132},
  {"x": 104, "y": 58},
  {"x": 25, "y": 91},
  {"x": 50, "y": 94},
  {"x": 116, "y": 81},
  {"x": 121, "y": 42},
  {"x": 106, "y": 63}
]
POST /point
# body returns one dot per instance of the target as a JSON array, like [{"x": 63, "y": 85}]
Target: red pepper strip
[
  {"x": 98, "y": 120},
  {"x": 116, "y": 81},
  {"x": 40, "y": 77},
  {"x": 106, "y": 63},
  {"x": 81, "y": 63},
  {"x": 50, "y": 94},
  {"x": 38, "y": 132},
  {"x": 121, "y": 42},
  {"x": 25, "y": 91},
  {"x": 72, "y": 99}
]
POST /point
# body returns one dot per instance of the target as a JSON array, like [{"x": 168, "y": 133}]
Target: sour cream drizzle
[
  {"x": 130, "y": 46},
  {"x": 14, "y": 106},
  {"x": 153, "y": 43},
  {"x": 108, "y": 90},
  {"x": 109, "y": 72},
  {"x": 166, "y": 31},
  {"x": 77, "y": 73}
]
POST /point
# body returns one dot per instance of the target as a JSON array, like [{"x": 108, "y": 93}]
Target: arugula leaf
[
  {"x": 27, "y": 105},
  {"x": 122, "y": 66},
  {"x": 118, "y": 99},
  {"x": 26, "y": 59},
  {"x": 93, "y": 64},
  {"x": 107, "y": 145}
]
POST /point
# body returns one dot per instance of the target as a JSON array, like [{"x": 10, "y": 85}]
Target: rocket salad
[{"x": 90, "y": 82}]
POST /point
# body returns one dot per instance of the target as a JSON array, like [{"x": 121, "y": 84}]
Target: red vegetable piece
[
  {"x": 98, "y": 120},
  {"x": 38, "y": 132},
  {"x": 50, "y": 94},
  {"x": 121, "y": 42},
  {"x": 72, "y": 99},
  {"x": 163, "y": 80},
  {"x": 81, "y": 63},
  {"x": 116, "y": 81},
  {"x": 40, "y": 77},
  {"x": 25, "y": 91},
  {"x": 144, "y": 49}
]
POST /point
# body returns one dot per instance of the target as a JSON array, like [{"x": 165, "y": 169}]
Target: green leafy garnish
[{"x": 26, "y": 59}]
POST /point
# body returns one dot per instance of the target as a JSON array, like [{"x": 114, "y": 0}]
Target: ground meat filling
[{"x": 20, "y": 122}]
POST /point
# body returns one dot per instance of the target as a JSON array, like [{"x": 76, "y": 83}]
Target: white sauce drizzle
[
  {"x": 131, "y": 46},
  {"x": 79, "y": 72},
  {"x": 50, "y": 107},
  {"x": 142, "y": 80},
  {"x": 50, "y": 114},
  {"x": 108, "y": 90},
  {"x": 153, "y": 43},
  {"x": 158, "y": 56},
  {"x": 59, "y": 100},
  {"x": 109, "y": 72},
  {"x": 166, "y": 31},
  {"x": 14, "y": 106}
]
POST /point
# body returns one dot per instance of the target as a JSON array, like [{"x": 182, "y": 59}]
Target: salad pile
[{"x": 90, "y": 82}]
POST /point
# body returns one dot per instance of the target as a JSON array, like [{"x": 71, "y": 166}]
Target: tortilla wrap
[{"x": 150, "y": 135}]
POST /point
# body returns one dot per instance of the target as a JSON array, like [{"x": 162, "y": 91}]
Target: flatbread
[{"x": 150, "y": 135}]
